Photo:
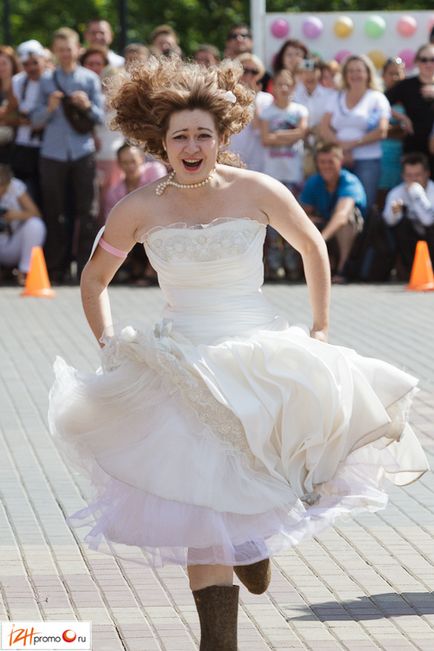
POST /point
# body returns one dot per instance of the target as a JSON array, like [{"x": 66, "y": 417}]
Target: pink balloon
[
  {"x": 408, "y": 57},
  {"x": 280, "y": 28},
  {"x": 406, "y": 26},
  {"x": 341, "y": 55},
  {"x": 312, "y": 27}
]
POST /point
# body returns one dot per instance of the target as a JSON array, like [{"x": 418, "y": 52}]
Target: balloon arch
[{"x": 333, "y": 35}]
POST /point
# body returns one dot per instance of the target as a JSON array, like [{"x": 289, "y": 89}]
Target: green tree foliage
[{"x": 197, "y": 21}]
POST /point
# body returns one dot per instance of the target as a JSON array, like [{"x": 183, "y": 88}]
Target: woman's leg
[
  {"x": 9, "y": 250},
  {"x": 216, "y": 601},
  {"x": 17, "y": 249},
  {"x": 33, "y": 234},
  {"x": 202, "y": 576}
]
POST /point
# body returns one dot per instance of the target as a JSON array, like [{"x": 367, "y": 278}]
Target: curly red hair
[{"x": 144, "y": 99}]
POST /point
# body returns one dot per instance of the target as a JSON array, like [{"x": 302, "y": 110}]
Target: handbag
[{"x": 80, "y": 119}]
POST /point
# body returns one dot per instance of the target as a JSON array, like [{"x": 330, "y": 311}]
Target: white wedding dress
[{"x": 223, "y": 435}]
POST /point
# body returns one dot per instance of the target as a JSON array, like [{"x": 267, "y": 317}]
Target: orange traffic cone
[
  {"x": 37, "y": 282},
  {"x": 422, "y": 277}
]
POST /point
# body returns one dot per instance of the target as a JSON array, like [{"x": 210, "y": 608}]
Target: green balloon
[{"x": 375, "y": 26}]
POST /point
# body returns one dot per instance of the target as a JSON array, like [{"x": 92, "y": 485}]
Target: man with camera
[
  {"x": 311, "y": 94},
  {"x": 409, "y": 209},
  {"x": 25, "y": 87},
  {"x": 70, "y": 103}
]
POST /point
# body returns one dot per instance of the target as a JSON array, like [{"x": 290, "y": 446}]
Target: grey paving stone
[{"x": 367, "y": 583}]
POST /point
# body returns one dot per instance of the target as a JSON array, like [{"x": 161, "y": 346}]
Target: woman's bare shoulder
[
  {"x": 257, "y": 193},
  {"x": 255, "y": 183},
  {"x": 137, "y": 209},
  {"x": 242, "y": 175}
]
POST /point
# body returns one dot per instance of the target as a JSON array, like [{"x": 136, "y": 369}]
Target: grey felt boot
[
  {"x": 256, "y": 576},
  {"x": 217, "y": 606}
]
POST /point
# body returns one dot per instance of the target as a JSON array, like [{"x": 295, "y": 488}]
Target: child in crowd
[
  {"x": 283, "y": 127},
  {"x": 391, "y": 147},
  {"x": 136, "y": 173},
  {"x": 21, "y": 227}
]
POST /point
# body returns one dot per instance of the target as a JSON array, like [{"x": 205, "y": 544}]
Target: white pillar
[{"x": 257, "y": 22}]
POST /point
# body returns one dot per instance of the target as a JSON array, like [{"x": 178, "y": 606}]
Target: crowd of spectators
[{"x": 355, "y": 145}]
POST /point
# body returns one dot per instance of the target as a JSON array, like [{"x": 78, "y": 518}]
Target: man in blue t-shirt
[{"x": 335, "y": 201}]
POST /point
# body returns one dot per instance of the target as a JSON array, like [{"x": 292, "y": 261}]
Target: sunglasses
[
  {"x": 235, "y": 35},
  {"x": 251, "y": 71},
  {"x": 426, "y": 59}
]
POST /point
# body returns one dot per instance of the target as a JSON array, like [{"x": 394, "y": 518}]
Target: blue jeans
[{"x": 368, "y": 171}]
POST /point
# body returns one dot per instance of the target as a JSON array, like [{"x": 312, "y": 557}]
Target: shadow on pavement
[{"x": 377, "y": 606}]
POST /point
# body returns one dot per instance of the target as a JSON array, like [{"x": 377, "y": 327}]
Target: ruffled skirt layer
[{"x": 232, "y": 452}]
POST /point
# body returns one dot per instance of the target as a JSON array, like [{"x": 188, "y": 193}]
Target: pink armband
[{"x": 112, "y": 249}]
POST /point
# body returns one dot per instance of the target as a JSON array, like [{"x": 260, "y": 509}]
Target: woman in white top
[
  {"x": 21, "y": 226},
  {"x": 248, "y": 143},
  {"x": 357, "y": 119}
]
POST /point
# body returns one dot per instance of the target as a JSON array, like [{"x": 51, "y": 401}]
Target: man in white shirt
[
  {"x": 25, "y": 87},
  {"x": 310, "y": 93},
  {"x": 409, "y": 209},
  {"x": 99, "y": 32}
]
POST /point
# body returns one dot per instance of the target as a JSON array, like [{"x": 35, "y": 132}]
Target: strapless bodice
[{"x": 211, "y": 276}]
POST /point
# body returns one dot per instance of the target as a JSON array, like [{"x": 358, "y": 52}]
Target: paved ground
[{"x": 366, "y": 584}]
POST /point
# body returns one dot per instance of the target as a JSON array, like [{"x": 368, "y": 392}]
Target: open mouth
[{"x": 191, "y": 164}]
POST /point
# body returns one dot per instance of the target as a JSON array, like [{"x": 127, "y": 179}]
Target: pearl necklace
[{"x": 183, "y": 186}]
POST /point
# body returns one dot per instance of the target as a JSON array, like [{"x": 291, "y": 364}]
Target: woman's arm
[
  {"x": 283, "y": 136},
  {"x": 8, "y": 112},
  {"x": 10, "y": 101},
  {"x": 256, "y": 122},
  {"x": 28, "y": 209},
  {"x": 326, "y": 131},
  {"x": 102, "y": 266},
  {"x": 289, "y": 219},
  {"x": 404, "y": 126},
  {"x": 380, "y": 133}
]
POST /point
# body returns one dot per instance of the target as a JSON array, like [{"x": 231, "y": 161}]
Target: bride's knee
[{"x": 203, "y": 576}]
